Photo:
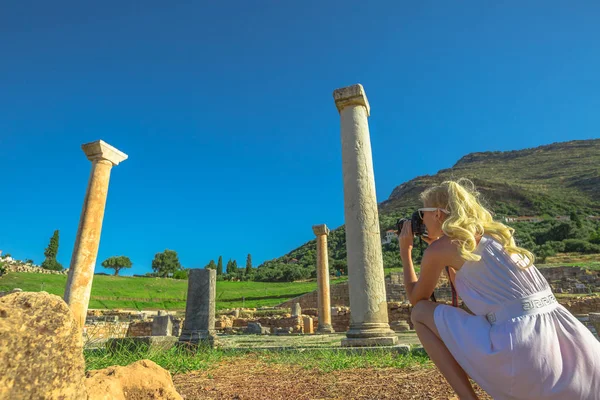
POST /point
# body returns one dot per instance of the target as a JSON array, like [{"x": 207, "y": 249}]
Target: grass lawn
[
  {"x": 158, "y": 293},
  {"x": 590, "y": 261},
  {"x": 178, "y": 360}
]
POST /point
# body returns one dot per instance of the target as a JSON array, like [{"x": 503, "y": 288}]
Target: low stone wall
[
  {"x": 140, "y": 328},
  {"x": 20, "y": 267},
  {"x": 572, "y": 279},
  {"x": 286, "y": 321},
  {"x": 394, "y": 288},
  {"x": 562, "y": 273},
  {"x": 283, "y": 322},
  {"x": 582, "y": 305},
  {"x": 144, "y": 328},
  {"x": 110, "y": 326},
  {"x": 105, "y": 330}
]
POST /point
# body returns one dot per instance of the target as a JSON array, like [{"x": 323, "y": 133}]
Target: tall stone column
[
  {"x": 368, "y": 307},
  {"x": 324, "y": 299},
  {"x": 199, "y": 324},
  {"x": 81, "y": 271}
]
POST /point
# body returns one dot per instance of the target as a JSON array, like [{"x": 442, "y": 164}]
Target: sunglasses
[{"x": 420, "y": 210}]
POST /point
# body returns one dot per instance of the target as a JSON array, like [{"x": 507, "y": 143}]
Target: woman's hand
[{"x": 406, "y": 238}]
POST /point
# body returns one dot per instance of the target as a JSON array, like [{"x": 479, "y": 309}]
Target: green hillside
[
  {"x": 561, "y": 179},
  {"x": 158, "y": 293},
  {"x": 554, "y": 179}
]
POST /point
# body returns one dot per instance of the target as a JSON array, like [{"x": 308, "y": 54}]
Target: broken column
[
  {"x": 199, "y": 324},
  {"x": 296, "y": 310},
  {"x": 368, "y": 307},
  {"x": 324, "y": 300},
  {"x": 81, "y": 270}
]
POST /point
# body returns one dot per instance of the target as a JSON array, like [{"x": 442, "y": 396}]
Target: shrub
[
  {"x": 52, "y": 264},
  {"x": 580, "y": 246},
  {"x": 544, "y": 251},
  {"x": 181, "y": 274}
]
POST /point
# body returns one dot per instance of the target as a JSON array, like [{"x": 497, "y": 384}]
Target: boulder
[
  {"x": 141, "y": 380},
  {"x": 41, "y": 349}
]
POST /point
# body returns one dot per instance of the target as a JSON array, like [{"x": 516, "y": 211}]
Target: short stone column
[
  {"x": 162, "y": 325},
  {"x": 81, "y": 270},
  {"x": 307, "y": 323},
  {"x": 199, "y": 324},
  {"x": 368, "y": 307},
  {"x": 296, "y": 310},
  {"x": 323, "y": 293}
]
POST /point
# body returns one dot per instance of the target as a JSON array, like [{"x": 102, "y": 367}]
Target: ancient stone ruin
[
  {"x": 199, "y": 324},
  {"x": 41, "y": 357},
  {"x": 324, "y": 304},
  {"x": 369, "y": 326},
  {"x": 83, "y": 261}
]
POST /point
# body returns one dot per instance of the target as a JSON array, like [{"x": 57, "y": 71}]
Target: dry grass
[{"x": 253, "y": 379}]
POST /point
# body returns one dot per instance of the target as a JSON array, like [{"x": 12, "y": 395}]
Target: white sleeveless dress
[{"x": 546, "y": 354}]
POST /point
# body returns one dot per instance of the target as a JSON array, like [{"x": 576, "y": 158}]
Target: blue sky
[{"x": 226, "y": 112}]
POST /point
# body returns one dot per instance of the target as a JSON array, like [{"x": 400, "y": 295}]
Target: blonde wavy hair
[{"x": 469, "y": 219}]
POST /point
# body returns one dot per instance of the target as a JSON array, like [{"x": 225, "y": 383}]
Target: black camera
[{"x": 416, "y": 222}]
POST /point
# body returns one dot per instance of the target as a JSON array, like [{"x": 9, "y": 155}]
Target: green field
[{"x": 112, "y": 292}]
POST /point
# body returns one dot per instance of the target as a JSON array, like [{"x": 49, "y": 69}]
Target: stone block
[
  {"x": 284, "y": 331},
  {"x": 308, "y": 325},
  {"x": 255, "y": 328},
  {"x": 162, "y": 326},
  {"x": 400, "y": 326},
  {"x": 41, "y": 353}
]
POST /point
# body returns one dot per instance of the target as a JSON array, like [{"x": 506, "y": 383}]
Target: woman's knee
[{"x": 418, "y": 311}]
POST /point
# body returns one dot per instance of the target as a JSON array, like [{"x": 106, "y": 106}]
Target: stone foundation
[{"x": 105, "y": 330}]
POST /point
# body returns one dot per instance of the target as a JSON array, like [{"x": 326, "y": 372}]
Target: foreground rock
[
  {"x": 41, "y": 354},
  {"x": 140, "y": 380},
  {"x": 41, "y": 357}
]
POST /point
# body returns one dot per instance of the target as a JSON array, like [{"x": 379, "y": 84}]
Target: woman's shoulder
[
  {"x": 443, "y": 244},
  {"x": 443, "y": 247},
  {"x": 448, "y": 249}
]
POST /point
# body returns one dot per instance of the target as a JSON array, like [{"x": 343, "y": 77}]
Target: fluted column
[{"x": 81, "y": 270}]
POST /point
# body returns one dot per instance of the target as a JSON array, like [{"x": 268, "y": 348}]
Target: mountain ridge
[{"x": 557, "y": 179}]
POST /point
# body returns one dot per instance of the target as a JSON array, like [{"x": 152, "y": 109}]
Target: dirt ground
[{"x": 253, "y": 380}]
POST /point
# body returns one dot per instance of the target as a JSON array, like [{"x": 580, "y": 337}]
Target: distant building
[
  {"x": 523, "y": 219},
  {"x": 390, "y": 235},
  {"x": 535, "y": 218}
]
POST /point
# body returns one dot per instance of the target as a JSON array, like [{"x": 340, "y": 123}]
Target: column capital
[
  {"x": 320, "y": 230},
  {"x": 100, "y": 150},
  {"x": 351, "y": 95}
]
